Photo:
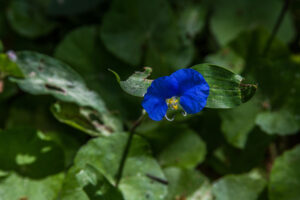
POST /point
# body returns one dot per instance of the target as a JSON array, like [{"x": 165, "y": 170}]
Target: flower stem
[
  {"x": 279, "y": 20},
  {"x": 127, "y": 147}
]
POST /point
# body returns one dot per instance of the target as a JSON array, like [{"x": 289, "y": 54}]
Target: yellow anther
[{"x": 175, "y": 107}]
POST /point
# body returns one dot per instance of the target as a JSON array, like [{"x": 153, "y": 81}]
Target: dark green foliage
[{"x": 73, "y": 74}]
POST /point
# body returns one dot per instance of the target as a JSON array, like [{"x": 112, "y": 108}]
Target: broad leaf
[
  {"x": 187, "y": 184},
  {"x": 28, "y": 19},
  {"x": 234, "y": 16},
  {"x": 237, "y": 187},
  {"x": 285, "y": 177},
  {"x": 282, "y": 122},
  {"x": 82, "y": 118},
  {"x": 45, "y": 75},
  {"x": 175, "y": 145},
  {"x": 34, "y": 165},
  {"x": 239, "y": 122},
  {"x": 147, "y": 28},
  {"x": 140, "y": 171},
  {"x": 72, "y": 7},
  {"x": 227, "y": 89}
]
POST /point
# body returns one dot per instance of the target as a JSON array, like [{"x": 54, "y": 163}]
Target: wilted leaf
[
  {"x": 237, "y": 187},
  {"x": 46, "y": 75},
  {"x": 28, "y": 19},
  {"x": 227, "y": 89},
  {"x": 285, "y": 177}
]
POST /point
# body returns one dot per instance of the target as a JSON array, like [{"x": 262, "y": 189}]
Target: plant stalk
[
  {"x": 127, "y": 147},
  {"x": 279, "y": 20}
]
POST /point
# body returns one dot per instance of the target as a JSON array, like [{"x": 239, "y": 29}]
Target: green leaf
[
  {"x": 1, "y": 47},
  {"x": 15, "y": 186},
  {"x": 34, "y": 165},
  {"x": 104, "y": 155},
  {"x": 147, "y": 28},
  {"x": 228, "y": 58},
  {"x": 281, "y": 122},
  {"x": 27, "y": 151},
  {"x": 9, "y": 67},
  {"x": 72, "y": 7},
  {"x": 186, "y": 150},
  {"x": 227, "y": 90},
  {"x": 82, "y": 118},
  {"x": 28, "y": 19},
  {"x": 237, "y": 123},
  {"x": 236, "y": 187},
  {"x": 187, "y": 184},
  {"x": 175, "y": 145},
  {"x": 234, "y": 16},
  {"x": 46, "y": 75},
  {"x": 285, "y": 177},
  {"x": 137, "y": 84}
]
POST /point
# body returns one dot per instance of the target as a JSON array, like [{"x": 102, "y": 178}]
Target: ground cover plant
[{"x": 149, "y": 100}]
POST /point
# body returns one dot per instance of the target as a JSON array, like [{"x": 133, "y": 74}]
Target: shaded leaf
[
  {"x": 232, "y": 17},
  {"x": 72, "y": 7},
  {"x": 237, "y": 187},
  {"x": 28, "y": 19},
  {"x": 147, "y": 28},
  {"x": 285, "y": 177},
  {"x": 174, "y": 145},
  {"x": 282, "y": 122},
  {"x": 187, "y": 184},
  {"x": 45, "y": 75},
  {"x": 239, "y": 122},
  {"x": 82, "y": 118}
]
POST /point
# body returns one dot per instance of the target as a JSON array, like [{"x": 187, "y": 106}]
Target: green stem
[
  {"x": 277, "y": 26},
  {"x": 127, "y": 147}
]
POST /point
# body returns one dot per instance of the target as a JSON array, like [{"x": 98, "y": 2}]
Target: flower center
[{"x": 173, "y": 103}]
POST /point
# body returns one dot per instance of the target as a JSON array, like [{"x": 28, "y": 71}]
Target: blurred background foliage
[{"x": 55, "y": 146}]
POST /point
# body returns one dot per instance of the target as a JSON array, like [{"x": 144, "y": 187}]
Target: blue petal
[
  {"x": 193, "y": 90},
  {"x": 155, "y": 98},
  {"x": 155, "y": 107},
  {"x": 194, "y": 100},
  {"x": 164, "y": 87},
  {"x": 187, "y": 79}
]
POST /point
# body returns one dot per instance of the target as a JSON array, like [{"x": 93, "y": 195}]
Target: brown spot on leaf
[{"x": 55, "y": 88}]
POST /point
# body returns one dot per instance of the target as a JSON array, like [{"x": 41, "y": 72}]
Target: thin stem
[
  {"x": 277, "y": 26},
  {"x": 127, "y": 147}
]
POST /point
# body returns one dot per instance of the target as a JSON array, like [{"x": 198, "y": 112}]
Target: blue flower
[{"x": 186, "y": 87}]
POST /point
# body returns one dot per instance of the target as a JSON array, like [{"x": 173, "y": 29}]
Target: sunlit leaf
[{"x": 227, "y": 89}]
